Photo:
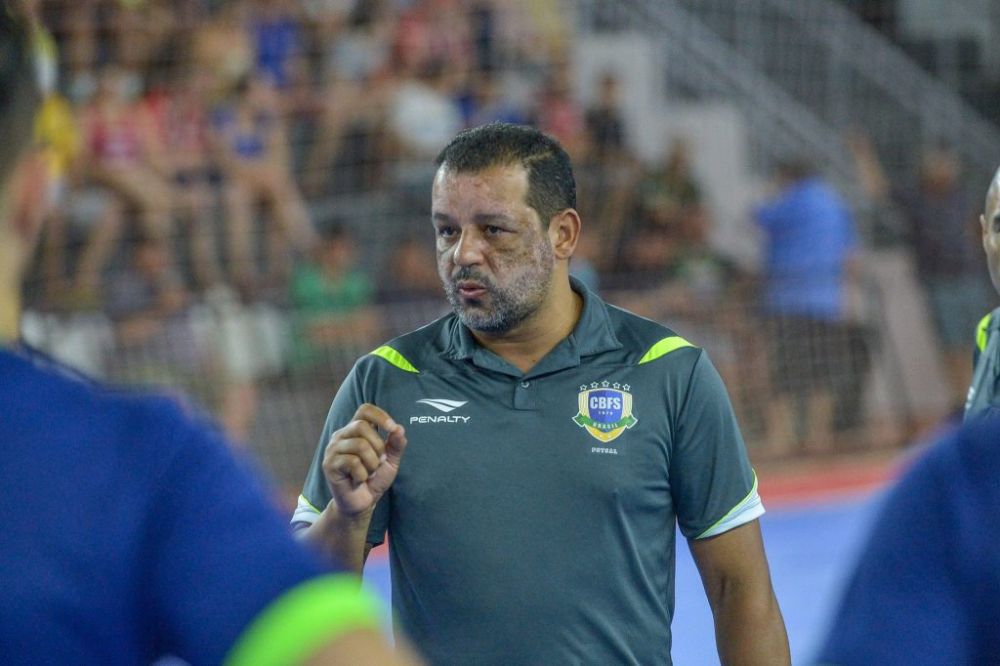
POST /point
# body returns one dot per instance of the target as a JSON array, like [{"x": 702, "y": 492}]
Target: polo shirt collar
[{"x": 593, "y": 334}]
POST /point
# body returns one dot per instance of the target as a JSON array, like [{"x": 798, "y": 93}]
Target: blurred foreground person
[
  {"x": 128, "y": 530},
  {"x": 927, "y": 587}
]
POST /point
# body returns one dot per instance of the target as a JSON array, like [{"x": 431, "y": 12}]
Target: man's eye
[
  {"x": 493, "y": 230},
  {"x": 445, "y": 232}
]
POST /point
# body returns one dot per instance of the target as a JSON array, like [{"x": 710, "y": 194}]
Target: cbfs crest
[{"x": 605, "y": 410}]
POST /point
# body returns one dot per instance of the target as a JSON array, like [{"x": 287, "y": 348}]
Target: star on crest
[
  {"x": 626, "y": 387},
  {"x": 583, "y": 387},
  {"x": 605, "y": 384},
  {"x": 593, "y": 385},
  {"x": 616, "y": 385}
]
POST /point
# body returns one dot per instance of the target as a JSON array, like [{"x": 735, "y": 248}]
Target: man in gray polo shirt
[
  {"x": 983, "y": 398},
  {"x": 551, "y": 443}
]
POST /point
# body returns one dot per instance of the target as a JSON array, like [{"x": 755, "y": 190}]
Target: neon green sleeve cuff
[{"x": 304, "y": 619}]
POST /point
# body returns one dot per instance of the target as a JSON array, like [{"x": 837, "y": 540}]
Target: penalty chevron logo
[{"x": 442, "y": 404}]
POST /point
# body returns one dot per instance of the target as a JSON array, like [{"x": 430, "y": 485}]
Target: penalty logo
[{"x": 605, "y": 410}]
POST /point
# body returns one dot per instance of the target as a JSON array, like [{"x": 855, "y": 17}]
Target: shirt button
[{"x": 525, "y": 384}]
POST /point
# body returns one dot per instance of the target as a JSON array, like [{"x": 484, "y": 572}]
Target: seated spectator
[
  {"x": 252, "y": 149},
  {"x": 670, "y": 193},
  {"x": 122, "y": 154},
  {"x": 433, "y": 33},
  {"x": 330, "y": 297},
  {"x": 412, "y": 275},
  {"x": 357, "y": 85},
  {"x": 177, "y": 111},
  {"x": 277, "y": 38},
  {"x": 158, "y": 342},
  {"x": 424, "y": 114},
  {"x": 148, "y": 306}
]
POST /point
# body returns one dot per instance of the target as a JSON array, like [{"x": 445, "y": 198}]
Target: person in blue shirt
[
  {"x": 129, "y": 531},
  {"x": 926, "y": 589},
  {"x": 810, "y": 268}
]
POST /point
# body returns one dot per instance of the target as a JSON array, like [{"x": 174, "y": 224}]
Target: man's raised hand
[{"x": 359, "y": 464}]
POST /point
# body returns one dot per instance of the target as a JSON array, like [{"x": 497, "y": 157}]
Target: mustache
[{"x": 467, "y": 273}]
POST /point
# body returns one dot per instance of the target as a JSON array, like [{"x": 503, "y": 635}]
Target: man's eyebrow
[{"x": 479, "y": 218}]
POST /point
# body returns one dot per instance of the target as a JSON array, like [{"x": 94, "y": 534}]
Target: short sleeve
[
  {"x": 217, "y": 551},
  {"x": 713, "y": 486},
  {"x": 315, "y": 491}
]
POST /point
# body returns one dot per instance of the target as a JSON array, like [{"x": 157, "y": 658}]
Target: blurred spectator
[
  {"x": 357, "y": 83},
  {"x": 121, "y": 152},
  {"x": 702, "y": 294},
  {"x": 177, "y": 111},
  {"x": 252, "y": 149},
  {"x": 157, "y": 342},
  {"x": 433, "y": 34},
  {"x": 140, "y": 30},
  {"x": 424, "y": 114},
  {"x": 277, "y": 40},
  {"x": 607, "y": 176},
  {"x": 331, "y": 298},
  {"x": 559, "y": 113},
  {"x": 810, "y": 272},
  {"x": 667, "y": 205},
  {"x": 670, "y": 195},
  {"x": 222, "y": 50},
  {"x": 940, "y": 217},
  {"x": 148, "y": 306},
  {"x": 412, "y": 275},
  {"x": 605, "y": 127},
  {"x": 484, "y": 102}
]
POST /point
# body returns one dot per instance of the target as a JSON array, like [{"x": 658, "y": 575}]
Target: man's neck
[{"x": 533, "y": 339}]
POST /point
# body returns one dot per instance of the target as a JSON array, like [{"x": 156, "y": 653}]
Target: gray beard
[{"x": 509, "y": 307}]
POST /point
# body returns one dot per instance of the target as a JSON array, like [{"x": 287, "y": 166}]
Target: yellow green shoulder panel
[
  {"x": 664, "y": 347},
  {"x": 394, "y": 357},
  {"x": 982, "y": 331}
]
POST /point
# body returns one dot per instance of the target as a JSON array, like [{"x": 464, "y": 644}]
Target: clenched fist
[{"x": 359, "y": 464}]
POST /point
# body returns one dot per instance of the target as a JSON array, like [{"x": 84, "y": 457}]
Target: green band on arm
[
  {"x": 304, "y": 619},
  {"x": 394, "y": 357},
  {"x": 664, "y": 347},
  {"x": 750, "y": 497}
]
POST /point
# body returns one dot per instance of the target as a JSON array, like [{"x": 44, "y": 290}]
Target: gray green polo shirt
[
  {"x": 983, "y": 398},
  {"x": 533, "y": 517}
]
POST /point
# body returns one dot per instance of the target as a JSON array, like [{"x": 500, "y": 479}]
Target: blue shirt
[
  {"x": 927, "y": 587},
  {"x": 126, "y": 528},
  {"x": 809, "y": 237}
]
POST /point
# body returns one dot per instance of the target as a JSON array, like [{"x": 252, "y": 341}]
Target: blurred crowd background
[{"x": 238, "y": 192}]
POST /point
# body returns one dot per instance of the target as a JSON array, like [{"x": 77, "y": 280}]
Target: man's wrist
[{"x": 348, "y": 519}]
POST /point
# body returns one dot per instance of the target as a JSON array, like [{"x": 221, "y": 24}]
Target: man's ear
[{"x": 564, "y": 233}]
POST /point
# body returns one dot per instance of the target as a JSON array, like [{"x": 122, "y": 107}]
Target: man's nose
[{"x": 469, "y": 248}]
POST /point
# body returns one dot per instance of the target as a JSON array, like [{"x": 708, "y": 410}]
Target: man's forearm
[
  {"x": 750, "y": 630},
  {"x": 342, "y": 537}
]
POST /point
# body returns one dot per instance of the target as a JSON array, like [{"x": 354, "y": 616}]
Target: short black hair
[
  {"x": 551, "y": 186},
  {"x": 19, "y": 93}
]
